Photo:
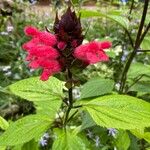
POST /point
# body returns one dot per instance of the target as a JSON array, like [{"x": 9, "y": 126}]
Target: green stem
[
  {"x": 136, "y": 46},
  {"x": 72, "y": 115}
]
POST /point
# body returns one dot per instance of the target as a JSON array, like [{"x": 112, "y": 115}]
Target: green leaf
[
  {"x": 96, "y": 87},
  {"x": 49, "y": 108},
  {"x": 141, "y": 134},
  {"x": 145, "y": 43},
  {"x": 87, "y": 121},
  {"x": 24, "y": 130},
  {"x": 116, "y": 17},
  {"x": 68, "y": 141},
  {"x": 138, "y": 69},
  {"x": 31, "y": 145},
  {"x": 123, "y": 141},
  {"x": 141, "y": 86},
  {"x": 3, "y": 123},
  {"x": 119, "y": 111},
  {"x": 34, "y": 89},
  {"x": 2, "y": 147},
  {"x": 134, "y": 145},
  {"x": 46, "y": 95}
]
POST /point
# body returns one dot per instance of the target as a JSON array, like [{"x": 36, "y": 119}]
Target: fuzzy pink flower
[
  {"x": 31, "y": 31},
  {"x": 41, "y": 52},
  {"x": 92, "y": 52},
  {"x": 53, "y": 67}
]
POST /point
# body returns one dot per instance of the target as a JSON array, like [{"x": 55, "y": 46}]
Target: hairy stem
[
  {"x": 70, "y": 98},
  {"x": 136, "y": 46}
]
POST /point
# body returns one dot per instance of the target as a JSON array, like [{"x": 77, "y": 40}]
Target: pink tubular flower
[
  {"x": 92, "y": 52},
  {"x": 41, "y": 52}
]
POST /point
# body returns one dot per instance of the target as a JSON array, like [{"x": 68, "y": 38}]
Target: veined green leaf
[
  {"x": 96, "y": 87},
  {"x": 24, "y": 130},
  {"x": 119, "y": 111},
  {"x": 141, "y": 134},
  {"x": 142, "y": 87},
  {"x": 49, "y": 108},
  {"x": 87, "y": 121},
  {"x": 68, "y": 141},
  {"x": 34, "y": 89},
  {"x": 46, "y": 95},
  {"x": 145, "y": 43},
  {"x": 31, "y": 145},
  {"x": 122, "y": 142},
  {"x": 2, "y": 147},
  {"x": 138, "y": 69},
  {"x": 3, "y": 123},
  {"x": 122, "y": 21}
]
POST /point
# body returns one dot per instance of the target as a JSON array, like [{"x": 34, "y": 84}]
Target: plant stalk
[
  {"x": 70, "y": 98},
  {"x": 136, "y": 46}
]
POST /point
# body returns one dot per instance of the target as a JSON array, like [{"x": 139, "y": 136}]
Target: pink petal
[
  {"x": 31, "y": 31},
  {"x": 92, "y": 52},
  {"x": 50, "y": 68},
  {"x": 45, "y": 75},
  {"x": 31, "y": 44},
  {"x": 34, "y": 64},
  {"x": 44, "y": 51},
  {"x": 47, "y": 38},
  {"x": 105, "y": 44}
]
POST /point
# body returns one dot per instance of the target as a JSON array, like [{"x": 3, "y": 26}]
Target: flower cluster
[
  {"x": 60, "y": 51},
  {"x": 41, "y": 52}
]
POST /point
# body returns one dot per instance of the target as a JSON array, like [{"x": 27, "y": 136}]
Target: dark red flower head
[{"x": 68, "y": 29}]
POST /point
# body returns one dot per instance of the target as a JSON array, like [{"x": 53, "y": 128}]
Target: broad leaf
[
  {"x": 141, "y": 134},
  {"x": 145, "y": 43},
  {"x": 49, "y": 108},
  {"x": 46, "y": 95},
  {"x": 2, "y": 147},
  {"x": 117, "y": 17},
  {"x": 122, "y": 141},
  {"x": 142, "y": 87},
  {"x": 31, "y": 145},
  {"x": 119, "y": 111},
  {"x": 3, "y": 123},
  {"x": 96, "y": 87},
  {"x": 68, "y": 141},
  {"x": 34, "y": 89},
  {"x": 138, "y": 69},
  {"x": 87, "y": 121},
  {"x": 25, "y": 129}
]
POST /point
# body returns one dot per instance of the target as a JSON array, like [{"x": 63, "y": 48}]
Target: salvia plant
[{"x": 69, "y": 113}]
